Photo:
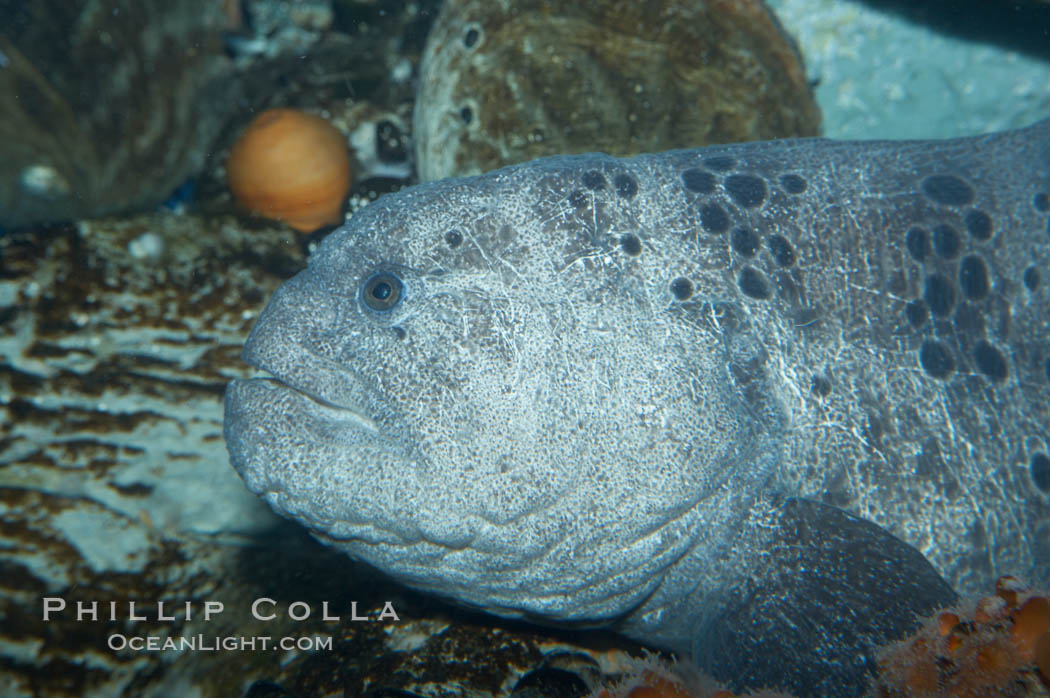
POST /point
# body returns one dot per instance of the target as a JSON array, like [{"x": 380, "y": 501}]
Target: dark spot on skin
[
  {"x": 714, "y": 218},
  {"x": 946, "y": 241},
  {"x": 453, "y": 238},
  {"x": 939, "y": 294},
  {"x": 682, "y": 288},
  {"x": 470, "y": 38},
  {"x": 917, "y": 312},
  {"x": 918, "y": 243},
  {"x": 719, "y": 163},
  {"x": 1031, "y": 278},
  {"x": 754, "y": 284},
  {"x": 948, "y": 190},
  {"x": 1047, "y": 369},
  {"x": 631, "y": 244},
  {"x": 781, "y": 250},
  {"x": 990, "y": 361},
  {"x": 820, "y": 386},
  {"x": 399, "y": 332},
  {"x": 625, "y": 186},
  {"x": 979, "y": 224},
  {"x": 936, "y": 359},
  {"x": 973, "y": 277},
  {"x": 792, "y": 183},
  {"x": 593, "y": 180},
  {"x": 466, "y": 114},
  {"x": 1041, "y": 201},
  {"x": 744, "y": 242},
  {"x": 1039, "y": 468},
  {"x": 746, "y": 190},
  {"x": 698, "y": 181},
  {"x": 578, "y": 199}
]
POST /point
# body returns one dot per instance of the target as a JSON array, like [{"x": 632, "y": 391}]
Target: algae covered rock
[
  {"x": 108, "y": 105},
  {"x": 507, "y": 82},
  {"x": 117, "y": 339}
]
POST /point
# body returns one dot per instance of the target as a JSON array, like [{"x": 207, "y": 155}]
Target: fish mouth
[
  {"x": 278, "y": 424},
  {"x": 303, "y": 406},
  {"x": 324, "y": 388},
  {"x": 335, "y": 409},
  {"x": 307, "y": 418},
  {"x": 292, "y": 354},
  {"x": 294, "y": 346}
]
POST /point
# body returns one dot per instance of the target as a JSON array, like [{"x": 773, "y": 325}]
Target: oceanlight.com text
[{"x": 212, "y": 643}]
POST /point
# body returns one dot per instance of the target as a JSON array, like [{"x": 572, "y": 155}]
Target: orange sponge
[{"x": 291, "y": 166}]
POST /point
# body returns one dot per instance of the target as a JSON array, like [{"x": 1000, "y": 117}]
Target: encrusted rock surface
[
  {"x": 938, "y": 69},
  {"x": 505, "y": 82},
  {"x": 116, "y": 343},
  {"x": 108, "y": 104}
]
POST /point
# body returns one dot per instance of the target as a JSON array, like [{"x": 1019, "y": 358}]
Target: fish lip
[
  {"x": 341, "y": 410},
  {"x": 292, "y": 346},
  {"x": 330, "y": 402},
  {"x": 327, "y": 387}
]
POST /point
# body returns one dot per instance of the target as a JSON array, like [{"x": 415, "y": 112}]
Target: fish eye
[{"x": 382, "y": 291}]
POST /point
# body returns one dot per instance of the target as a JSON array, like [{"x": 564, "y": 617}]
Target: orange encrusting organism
[
  {"x": 291, "y": 166},
  {"x": 1031, "y": 621},
  {"x": 1042, "y": 657},
  {"x": 993, "y": 650}
]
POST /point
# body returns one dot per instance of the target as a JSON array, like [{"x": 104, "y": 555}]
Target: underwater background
[{"x": 148, "y": 215}]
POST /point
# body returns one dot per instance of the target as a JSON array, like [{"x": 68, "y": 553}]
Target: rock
[
  {"x": 117, "y": 340},
  {"x": 274, "y": 27},
  {"x": 506, "y": 82},
  {"x": 938, "y": 69},
  {"x": 115, "y": 103}
]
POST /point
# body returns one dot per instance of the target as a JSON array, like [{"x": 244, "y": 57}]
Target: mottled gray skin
[{"x": 541, "y": 427}]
